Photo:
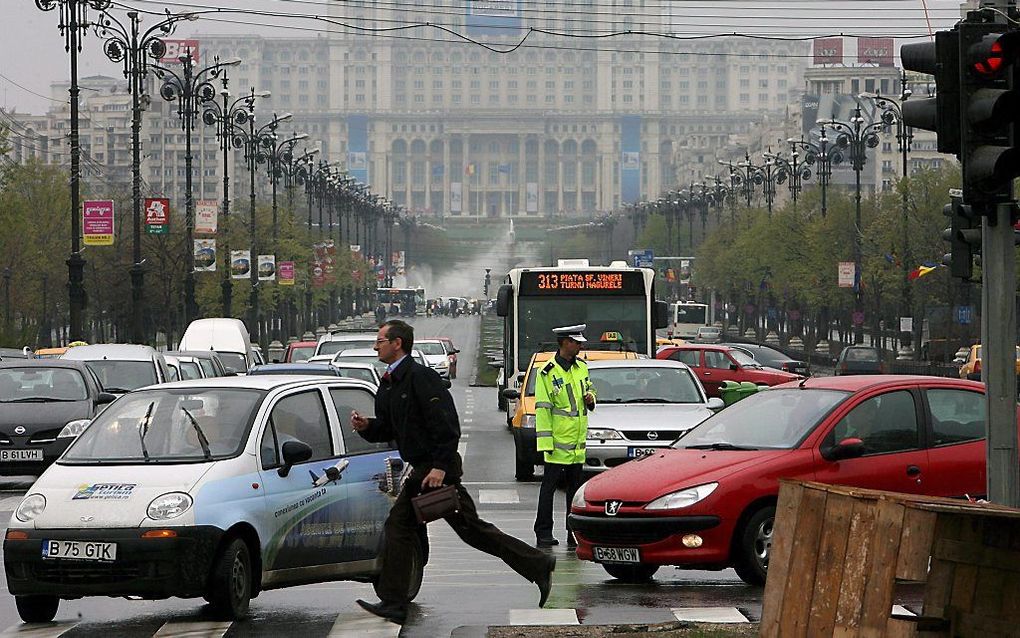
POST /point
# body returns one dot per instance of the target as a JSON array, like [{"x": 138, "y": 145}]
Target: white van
[{"x": 227, "y": 337}]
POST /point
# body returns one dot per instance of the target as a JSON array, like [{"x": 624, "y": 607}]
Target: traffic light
[
  {"x": 963, "y": 235},
  {"x": 941, "y": 113},
  {"x": 989, "y": 108}
]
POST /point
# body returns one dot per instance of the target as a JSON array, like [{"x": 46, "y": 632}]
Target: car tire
[
  {"x": 754, "y": 546},
  {"x": 415, "y": 562},
  {"x": 524, "y": 469},
  {"x": 633, "y": 574},
  {"x": 37, "y": 608},
  {"x": 230, "y": 584}
]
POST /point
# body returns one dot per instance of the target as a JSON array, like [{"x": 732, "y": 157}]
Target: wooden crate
[{"x": 839, "y": 552}]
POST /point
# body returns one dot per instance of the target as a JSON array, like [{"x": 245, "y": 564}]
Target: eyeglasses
[{"x": 383, "y": 340}]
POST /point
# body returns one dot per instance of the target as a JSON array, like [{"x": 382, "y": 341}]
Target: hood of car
[
  {"x": 434, "y": 359},
  {"x": 648, "y": 478},
  {"x": 771, "y": 375},
  {"x": 84, "y": 496},
  {"x": 648, "y": 416},
  {"x": 41, "y": 416}
]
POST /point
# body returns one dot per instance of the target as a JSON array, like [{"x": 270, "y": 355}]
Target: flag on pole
[{"x": 919, "y": 272}]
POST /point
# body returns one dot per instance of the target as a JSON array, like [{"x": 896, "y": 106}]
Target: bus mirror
[
  {"x": 661, "y": 314},
  {"x": 503, "y": 296}
]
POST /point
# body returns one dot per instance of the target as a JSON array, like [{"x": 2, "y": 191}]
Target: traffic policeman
[{"x": 563, "y": 397}]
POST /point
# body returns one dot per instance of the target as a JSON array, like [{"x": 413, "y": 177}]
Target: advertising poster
[
  {"x": 97, "y": 222},
  {"x": 205, "y": 216},
  {"x": 157, "y": 215},
  {"x": 176, "y": 49},
  {"x": 205, "y": 255},
  {"x": 878, "y": 51},
  {"x": 846, "y": 274},
  {"x": 828, "y": 51},
  {"x": 287, "y": 273},
  {"x": 267, "y": 267},
  {"x": 240, "y": 264}
]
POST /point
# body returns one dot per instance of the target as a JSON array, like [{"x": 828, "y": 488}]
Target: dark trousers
[
  {"x": 402, "y": 529},
  {"x": 572, "y": 473}
]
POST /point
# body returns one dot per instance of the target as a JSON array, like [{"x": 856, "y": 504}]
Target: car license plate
[
  {"x": 20, "y": 455},
  {"x": 80, "y": 550},
  {"x": 617, "y": 555},
  {"x": 636, "y": 452}
]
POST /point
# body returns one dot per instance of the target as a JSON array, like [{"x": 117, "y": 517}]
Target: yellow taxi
[
  {"x": 668, "y": 341},
  {"x": 522, "y": 423},
  {"x": 49, "y": 353},
  {"x": 971, "y": 368}
]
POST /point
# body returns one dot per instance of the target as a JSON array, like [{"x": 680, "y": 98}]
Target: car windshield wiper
[
  {"x": 143, "y": 429},
  {"x": 114, "y": 390},
  {"x": 38, "y": 400},
  {"x": 204, "y": 442},
  {"x": 646, "y": 400},
  {"x": 719, "y": 446}
]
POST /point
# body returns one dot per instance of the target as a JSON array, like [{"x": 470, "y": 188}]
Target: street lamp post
[
  {"x": 820, "y": 153},
  {"x": 793, "y": 170},
  {"x": 857, "y": 135},
  {"x": 74, "y": 19},
  {"x": 192, "y": 90},
  {"x": 281, "y": 156},
  {"x": 132, "y": 47},
  {"x": 766, "y": 175}
]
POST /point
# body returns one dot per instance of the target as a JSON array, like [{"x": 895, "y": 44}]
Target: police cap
[{"x": 571, "y": 332}]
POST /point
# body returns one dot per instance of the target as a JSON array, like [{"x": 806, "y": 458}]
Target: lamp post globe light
[
  {"x": 129, "y": 45},
  {"x": 73, "y": 23},
  {"x": 192, "y": 90},
  {"x": 738, "y": 179},
  {"x": 823, "y": 153},
  {"x": 856, "y": 136},
  {"x": 793, "y": 170}
]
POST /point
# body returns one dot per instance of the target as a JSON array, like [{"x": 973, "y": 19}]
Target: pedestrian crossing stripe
[
  {"x": 196, "y": 629},
  {"x": 543, "y": 617},
  {"x": 361, "y": 625},
  {"x": 48, "y": 630},
  {"x": 498, "y": 496},
  {"x": 709, "y": 614}
]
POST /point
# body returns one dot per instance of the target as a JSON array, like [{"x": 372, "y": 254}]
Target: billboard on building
[
  {"x": 493, "y": 17},
  {"x": 357, "y": 147},
  {"x": 878, "y": 51},
  {"x": 176, "y": 49},
  {"x": 824, "y": 108},
  {"x": 630, "y": 160},
  {"x": 828, "y": 51}
]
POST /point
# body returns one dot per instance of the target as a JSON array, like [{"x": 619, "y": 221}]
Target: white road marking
[
  {"x": 362, "y": 625},
  {"x": 38, "y": 631},
  {"x": 498, "y": 496},
  {"x": 709, "y": 614},
  {"x": 197, "y": 629},
  {"x": 469, "y": 420},
  {"x": 490, "y": 483},
  {"x": 462, "y": 450},
  {"x": 902, "y": 611},
  {"x": 543, "y": 617}
]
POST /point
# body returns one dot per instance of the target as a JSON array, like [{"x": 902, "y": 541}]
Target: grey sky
[{"x": 33, "y": 56}]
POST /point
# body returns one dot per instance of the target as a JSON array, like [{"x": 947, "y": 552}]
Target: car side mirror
[
  {"x": 104, "y": 398},
  {"x": 510, "y": 394},
  {"x": 520, "y": 377},
  {"x": 850, "y": 448},
  {"x": 715, "y": 403},
  {"x": 734, "y": 366},
  {"x": 294, "y": 452},
  {"x": 454, "y": 351}
]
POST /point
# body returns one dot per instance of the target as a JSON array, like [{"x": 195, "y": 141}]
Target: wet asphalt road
[{"x": 462, "y": 586}]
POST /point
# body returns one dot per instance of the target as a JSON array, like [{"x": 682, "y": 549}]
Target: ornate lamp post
[
  {"x": 132, "y": 47},
  {"x": 74, "y": 18},
  {"x": 793, "y": 170},
  {"x": 766, "y": 175},
  {"x": 192, "y": 90},
  {"x": 857, "y": 136}
]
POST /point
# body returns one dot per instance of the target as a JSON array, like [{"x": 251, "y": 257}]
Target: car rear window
[
  {"x": 333, "y": 347},
  {"x": 28, "y": 385},
  {"x": 861, "y": 354},
  {"x": 123, "y": 376}
]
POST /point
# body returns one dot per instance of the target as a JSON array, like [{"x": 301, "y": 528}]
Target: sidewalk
[{"x": 662, "y": 630}]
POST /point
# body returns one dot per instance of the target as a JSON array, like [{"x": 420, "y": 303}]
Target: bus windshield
[
  {"x": 688, "y": 317},
  {"x": 626, "y": 315}
]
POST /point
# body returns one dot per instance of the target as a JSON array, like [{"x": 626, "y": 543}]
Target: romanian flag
[{"x": 919, "y": 272}]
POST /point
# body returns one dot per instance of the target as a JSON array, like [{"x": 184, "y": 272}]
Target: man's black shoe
[
  {"x": 388, "y": 611},
  {"x": 546, "y": 542},
  {"x": 544, "y": 582}
]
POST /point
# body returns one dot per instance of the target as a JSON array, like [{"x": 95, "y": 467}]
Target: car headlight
[
  {"x": 578, "y": 500},
  {"x": 73, "y": 428},
  {"x": 31, "y": 507},
  {"x": 682, "y": 498},
  {"x": 169, "y": 505},
  {"x": 604, "y": 434},
  {"x": 528, "y": 421}
]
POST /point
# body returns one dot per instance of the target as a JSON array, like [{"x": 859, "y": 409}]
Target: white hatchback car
[{"x": 215, "y": 488}]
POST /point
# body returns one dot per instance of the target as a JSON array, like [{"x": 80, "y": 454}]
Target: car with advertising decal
[{"x": 259, "y": 480}]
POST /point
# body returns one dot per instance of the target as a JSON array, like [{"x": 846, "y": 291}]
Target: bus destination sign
[{"x": 565, "y": 282}]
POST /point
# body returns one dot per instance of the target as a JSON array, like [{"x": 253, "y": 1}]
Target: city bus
[
  {"x": 687, "y": 317},
  {"x": 410, "y": 300},
  {"x": 616, "y": 302}
]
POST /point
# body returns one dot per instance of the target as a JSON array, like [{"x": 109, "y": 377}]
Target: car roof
[
  {"x": 198, "y": 354},
  {"x": 351, "y": 364},
  {"x": 302, "y": 344},
  {"x": 700, "y": 346},
  {"x": 588, "y": 356},
  {"x": 43, "y": 363},
  {"x": 858, "y": 382},
  {"x": 357, "y": 352},
  {"x": 114, "y": 351},
  {"x": 636, "y": 363},
  {"x": 264, "y": 382},
  {"x": 346, "y": 336},
  {"x": 311, "y": 368}
]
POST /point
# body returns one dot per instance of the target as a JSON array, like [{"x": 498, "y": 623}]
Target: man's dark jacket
[{"x": 414, "y": 408}]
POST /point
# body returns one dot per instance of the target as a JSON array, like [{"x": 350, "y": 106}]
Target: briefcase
[{"x": 436, "y": 504}]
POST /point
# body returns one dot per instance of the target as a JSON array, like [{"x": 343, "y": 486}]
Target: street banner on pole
[
  {"x": 846, "y": 274},
  {"x": 240, "y": 264},
  {"x": 287, "y": 273},
  {"x": 157, "y": 215},
  {"x": 267, "y": 267},
  {"x": 205, "y": 255},
  {"x": 205, "y": 216},
  {"x": 97, "y": 222}
]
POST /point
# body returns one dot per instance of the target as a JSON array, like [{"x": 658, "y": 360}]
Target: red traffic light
[
  {"x": 991, "y": 64},
  {"x": 992, "y": 54}
]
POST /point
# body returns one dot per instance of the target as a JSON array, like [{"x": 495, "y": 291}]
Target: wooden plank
[
  {"x": 881, "y": 570},
  {"x": 1011, "y": 598},
  {"x": 968, "y": 625},
  {"x": 896, "y": 628},
  {"x": 978, "y": 555},
  {"x": 939, "y": 586},
  {"x": 915, "y": 544},
  {"x": 831, "y": 561},
  {"x": 858, "y": 553},
  {"x": 793, "y": 620},
  {"x": 988, "y": 592},
  {"x": 783, "y": 532},
  {"x": 965, "y": 576}
]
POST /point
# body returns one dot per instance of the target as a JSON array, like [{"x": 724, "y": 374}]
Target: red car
[
  {"x": 715, "y": 364},
  {"x": 299, "y": 351},
  {"x": 451, "y": 356},
  {"x": 709, "y": 501}
]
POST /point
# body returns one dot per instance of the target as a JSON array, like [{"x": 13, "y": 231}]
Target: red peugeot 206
[
  {"x": 709, "y": 501},
  {"x": 714, "y": 364}
]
